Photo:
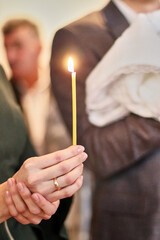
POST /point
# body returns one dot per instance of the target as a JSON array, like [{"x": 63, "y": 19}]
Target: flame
[{"x": 70, "y": 65}]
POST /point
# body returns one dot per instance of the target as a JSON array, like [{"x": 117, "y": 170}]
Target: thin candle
[{"x": 74, "y": 105}]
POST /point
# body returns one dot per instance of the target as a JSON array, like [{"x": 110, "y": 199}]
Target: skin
[
  {"x": 26, "y": 207},
  {"x": 143, "y": 6},
  {"x": 23, "y": 48},
  {"x": 37, "y": 174}
]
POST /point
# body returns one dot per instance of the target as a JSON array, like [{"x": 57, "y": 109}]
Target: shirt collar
[{"x": 128, "y": 13}]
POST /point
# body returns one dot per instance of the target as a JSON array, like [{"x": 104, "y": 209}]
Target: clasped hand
[{"x": 32, "y": 194}]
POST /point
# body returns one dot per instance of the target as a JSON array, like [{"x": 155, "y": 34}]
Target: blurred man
[
  {"x": 31, "y": 83},
  {"x": 124, "y": 156}
]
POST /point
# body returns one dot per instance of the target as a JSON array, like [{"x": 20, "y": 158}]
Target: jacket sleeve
[{"x": 112, "y": 148}]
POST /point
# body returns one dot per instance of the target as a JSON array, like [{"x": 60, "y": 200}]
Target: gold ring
[{"x": 56, "y": 184}]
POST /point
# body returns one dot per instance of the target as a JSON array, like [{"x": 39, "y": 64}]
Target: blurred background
[{"x": 50, "y": 15}]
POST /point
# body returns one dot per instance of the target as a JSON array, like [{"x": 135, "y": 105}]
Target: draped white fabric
[{"x": 127, "y": 79}]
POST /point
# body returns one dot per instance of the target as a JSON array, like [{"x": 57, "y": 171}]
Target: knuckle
[
  {"x": 27, "y": 165},
  {"x": 35, "y": 211},
  {"x": 21, "y": 209},
  {"x": 31, "y": 181},
  {"x": 64, "y": 168},
  {"x": 58, "y": 157},
  {"x": 40, "y": 189},
  {"x": 67, "y": 193},
  {"x": 26, "y": 195},
  {"x": 68, "y": 179},
  {"x": 52, "y": 197}
]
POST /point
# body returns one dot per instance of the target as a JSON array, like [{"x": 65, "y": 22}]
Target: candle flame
[{"x": 70, "y": 65}]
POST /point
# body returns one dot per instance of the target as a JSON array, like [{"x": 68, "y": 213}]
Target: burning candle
[{"x": 74, "y": 106}]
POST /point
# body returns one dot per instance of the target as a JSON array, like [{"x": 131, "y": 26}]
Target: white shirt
[
  {"x": 46, "y": 128},
  {"x": 35, "y": 104}
]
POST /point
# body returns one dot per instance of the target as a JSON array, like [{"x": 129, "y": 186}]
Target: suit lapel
[{"x": 114, "y": 19}]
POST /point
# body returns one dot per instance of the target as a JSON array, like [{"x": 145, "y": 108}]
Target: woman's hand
[
  {"x": 27, "y": 208},
  {"x": 66, "y": 166}
]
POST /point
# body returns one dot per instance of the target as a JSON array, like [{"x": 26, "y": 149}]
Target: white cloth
[
  {"x": 127, "y": 79},
  {"x": 47, "y": 130}
]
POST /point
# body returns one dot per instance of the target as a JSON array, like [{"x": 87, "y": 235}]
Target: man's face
[{"x": 22, "y": 48}]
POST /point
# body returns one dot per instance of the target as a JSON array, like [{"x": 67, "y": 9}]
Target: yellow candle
[{"x": 74, "y": 105}]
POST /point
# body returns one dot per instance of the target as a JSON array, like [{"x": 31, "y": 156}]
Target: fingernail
[
  {"x": 7, "y": 194},
  {"x": 80, "y": 148},
  {"x": 35, "y": 197},
  {"x": 10, "y": 182},
  {"x": 84, "y": 156},
  {"x": 20, "y": 187}
]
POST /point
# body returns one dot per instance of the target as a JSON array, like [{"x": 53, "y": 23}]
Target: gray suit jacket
[{"x": 123, "y": 156}]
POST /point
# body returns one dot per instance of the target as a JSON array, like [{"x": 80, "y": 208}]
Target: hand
[
  {"x": 27, "y": 208},
  {"x": 66, "y": 166}
]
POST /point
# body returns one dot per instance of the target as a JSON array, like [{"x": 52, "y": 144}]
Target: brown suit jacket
[{"x": 123, "y": 156}]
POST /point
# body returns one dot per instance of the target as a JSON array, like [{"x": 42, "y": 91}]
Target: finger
[
  {"x": 56, "y": 157},
  {"x": 66, "y": 192},
  {"x": 64, "y": 167},
  {"x": 59, "y": 169},
  {"x": 28, "y": 218},
  {"x": 12, "y": 210},
  {"x": 71, "y": 177},
  {"x": 45, "y": 205},
  {"x": 22, "y": 219},
  {"x": 46, "y": 217},
  {"x": 25, "y": 217},
  {"x": 26, "y": 196},
  {"x": 48, "y": 187},
  {"x": 56, "y": 203},
  {"x": 32, "y": 218},
  {"x": 16, "y": 198}
]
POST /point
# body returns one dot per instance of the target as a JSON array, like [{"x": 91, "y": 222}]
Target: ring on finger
[{"x": 56, "y": 184}]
